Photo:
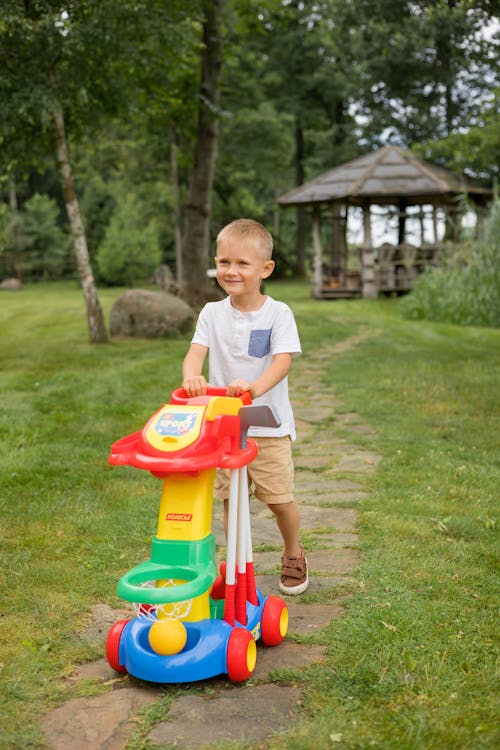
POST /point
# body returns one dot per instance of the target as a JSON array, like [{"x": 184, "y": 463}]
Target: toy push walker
[{"x": 191, "y": 623}]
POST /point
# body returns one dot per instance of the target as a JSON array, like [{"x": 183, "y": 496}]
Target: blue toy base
[{"x": 207, "y": 652}]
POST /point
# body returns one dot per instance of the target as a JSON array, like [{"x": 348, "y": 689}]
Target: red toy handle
[{"x": 179, "y": 396}]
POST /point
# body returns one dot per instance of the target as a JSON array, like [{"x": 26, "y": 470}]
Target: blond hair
[{"x": 248, "y": 229}]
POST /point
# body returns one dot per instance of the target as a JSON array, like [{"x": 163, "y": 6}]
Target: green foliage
[
  {"x": 97, "y": 206},
  {"x": 474, "y": 152},
  {"x": 35, "y": 247},
  {"x": 466, "y": 295},
  {"x": 130, "y": 250},
  {"x": 420, "y": 62},
  {"x": 252, "y": 170},
  {"x": 305, "y": 86}
]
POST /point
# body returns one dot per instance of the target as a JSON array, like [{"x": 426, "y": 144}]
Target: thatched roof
[{"x": 388, "y": 176}]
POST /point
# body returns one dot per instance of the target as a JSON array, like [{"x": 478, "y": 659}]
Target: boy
[{"x": 251, "y": 339}]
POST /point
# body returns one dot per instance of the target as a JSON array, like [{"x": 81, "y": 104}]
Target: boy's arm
[
  {"x": 275, "y": 372},
  {"x": 193, "y": 381}
]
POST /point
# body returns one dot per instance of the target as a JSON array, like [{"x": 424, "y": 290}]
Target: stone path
[{"x": 330, "y": 474}]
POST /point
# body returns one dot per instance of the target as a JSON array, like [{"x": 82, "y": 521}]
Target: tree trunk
[
  {"x": 195, "y": 244},
  {"x": 176, "y": 211},
  {"x": 12, "y": 197},
  {"x": 95, "y": 317}
]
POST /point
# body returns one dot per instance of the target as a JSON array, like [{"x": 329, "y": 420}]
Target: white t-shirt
[{"x": 242, "y": 345}]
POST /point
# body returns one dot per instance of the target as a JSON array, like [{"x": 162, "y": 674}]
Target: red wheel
[
  {"x": 274, "y": 621},
  {"x": 241, "y": 655},
  {"x": 113, "y": 646}
]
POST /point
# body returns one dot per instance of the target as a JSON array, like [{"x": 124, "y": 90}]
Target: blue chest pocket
[{"x": 260, "y": 343}]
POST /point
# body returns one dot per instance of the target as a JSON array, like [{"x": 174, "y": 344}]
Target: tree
[
  {"x": 95, "y": 317},
  {"x": 63, "y": 66},
  {"x": 38, "y": 45},
  {"x": 35, "y": 246},
  {"x": 195, "y": 242},
  {"x": 427, "y": 67},
  {"x": 474, "y": 152},
  {"x": 292, "y": 59}
]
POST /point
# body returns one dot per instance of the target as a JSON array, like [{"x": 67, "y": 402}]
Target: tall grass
[{"x": 465, "y": 295}]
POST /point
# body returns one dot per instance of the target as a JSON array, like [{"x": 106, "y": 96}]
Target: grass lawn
[{"x": 414, "y": 661}]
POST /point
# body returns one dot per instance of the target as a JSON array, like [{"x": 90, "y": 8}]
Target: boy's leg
[
  {"x": 288, "y": 520},
  {"x": 272, "y": 474},
  {"x": 294, "y": 578}
]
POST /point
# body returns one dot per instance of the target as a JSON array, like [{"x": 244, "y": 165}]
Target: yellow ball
[{"x": 167, "y": 637}]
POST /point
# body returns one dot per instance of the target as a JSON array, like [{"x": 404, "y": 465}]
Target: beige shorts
[{"x": 270, "y": 475}]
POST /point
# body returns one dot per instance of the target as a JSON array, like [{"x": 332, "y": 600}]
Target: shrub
[
  {"x": 130, "y": 252},
  {"x": 97, "y": 205},
  {"x": 467, "y": 295},
  {"x": 34, "y": 246}
]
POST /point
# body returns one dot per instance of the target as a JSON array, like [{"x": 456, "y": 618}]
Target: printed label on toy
[
  {"x": 176, "y": 425},
  {"x": 256, "y": 632},
  {"x": 179, "y": 516}
]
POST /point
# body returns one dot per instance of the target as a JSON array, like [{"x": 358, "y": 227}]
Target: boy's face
[{"x": 241, "y": 266}]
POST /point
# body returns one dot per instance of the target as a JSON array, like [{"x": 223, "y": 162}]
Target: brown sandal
[{"x": 294, "y": 575}]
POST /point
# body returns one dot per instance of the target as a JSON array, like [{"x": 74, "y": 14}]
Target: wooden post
[
  {"x": 318, "y": 254},
  {"x": 402, "y": 222},
  {"x": 338, "y": 243},
  {"x": 369, "y": 288},
  {"x": 345, "y": 218},
  {"x": 421, "y": 216},
  {"x": 435, "y": 225}
]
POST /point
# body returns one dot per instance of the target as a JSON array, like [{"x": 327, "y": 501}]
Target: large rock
[
  {"x": 145, "y": 314},
  {"x": 10, "y": 285}
]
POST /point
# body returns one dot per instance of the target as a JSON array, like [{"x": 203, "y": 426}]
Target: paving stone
[
  {"x": 98, "y": 671},
  {"x": 268, "y": 585},
  {"x": 306, "y": 463},
  {"x": 342, "y": 519},
  {"x": 305, "y": 619},
  {"x": 101, "y": 619},
  {"x": 335, "y": 540},
  {"x": 330, "y": 561},
  {"x": 338, "y": 561},
  {"x": 267, "y": 561},
  {"x": 238, "y": 714},
  {"x": 323, "y": 483},
  {"x": 312, "y": 413},
  {"x": 304, "y": 429},
  {"x": 287, "y": 655},
  {"x": 364, "y": 462},
  {"x": 329, "y": 435},
  {"x": 331, "y": 498},
  {"x": 100, "y": 722},
  {"x": 319, "y": 447},
  {"x": 323, "y": 583},
  {"x": 264, "y": 530}
]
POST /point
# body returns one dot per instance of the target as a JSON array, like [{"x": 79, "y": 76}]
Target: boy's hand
[
  {"x": 237, "y": 387},
  {"x": 195, "y": 385}
]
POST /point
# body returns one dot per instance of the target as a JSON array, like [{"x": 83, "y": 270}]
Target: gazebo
[{"x": 390, "y": 176}]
